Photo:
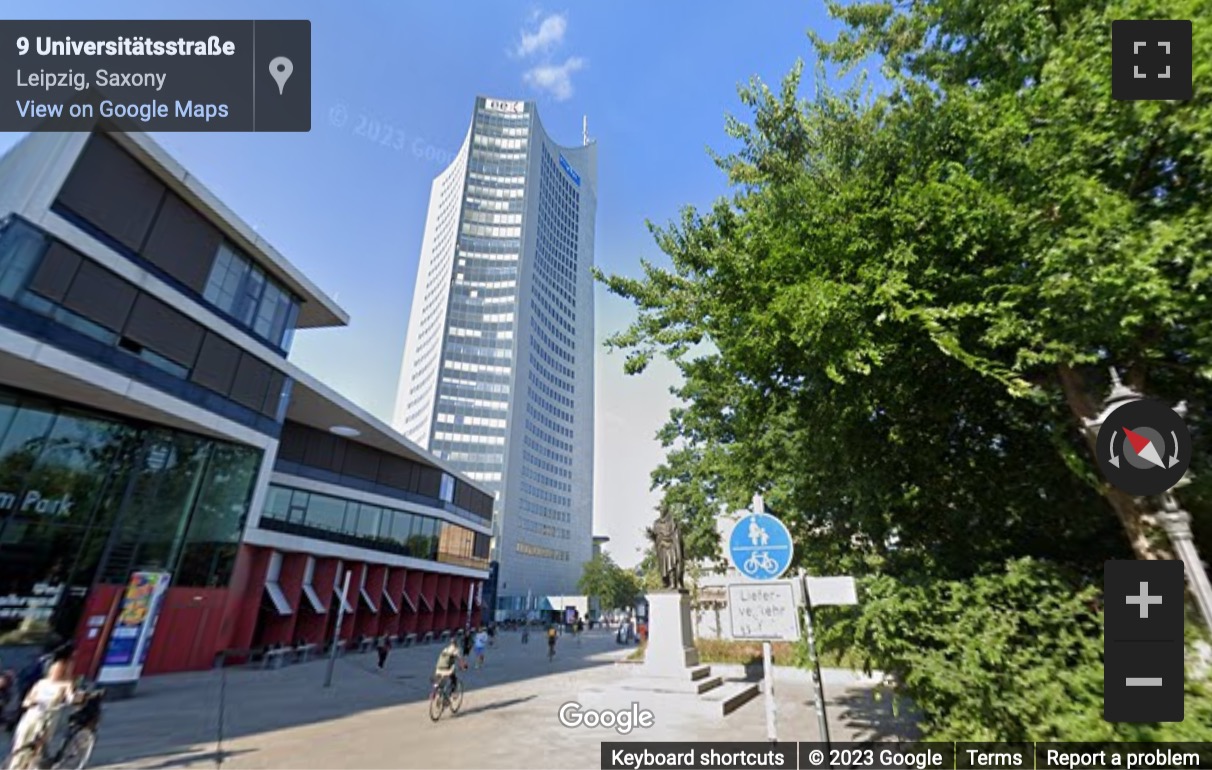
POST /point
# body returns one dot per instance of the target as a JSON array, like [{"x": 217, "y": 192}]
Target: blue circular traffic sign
[{"x": 760, "y": 546}]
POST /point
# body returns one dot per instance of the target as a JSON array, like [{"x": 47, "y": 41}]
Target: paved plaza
[{"x": 251, "y": 718}]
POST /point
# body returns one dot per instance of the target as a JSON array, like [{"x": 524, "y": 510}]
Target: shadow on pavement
[
  {"x": 877, "y": 717},
  {"x": 183, "y": 716},
  {"x": 209, "y": 757},
  {"x": 494, "y": 706}
]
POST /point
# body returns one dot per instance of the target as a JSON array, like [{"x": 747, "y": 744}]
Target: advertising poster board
[{"x": 131, "y": 637}]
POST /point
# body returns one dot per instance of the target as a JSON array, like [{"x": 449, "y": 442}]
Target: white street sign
[
  {"x": 764, "y": 611},
  {"x": 832, "y": 591}
]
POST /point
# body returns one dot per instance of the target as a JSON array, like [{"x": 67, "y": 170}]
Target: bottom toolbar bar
[{"x": 905, "y": 756}]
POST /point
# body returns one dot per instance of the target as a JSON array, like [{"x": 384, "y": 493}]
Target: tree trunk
[{"x": 1135, "y": 518}]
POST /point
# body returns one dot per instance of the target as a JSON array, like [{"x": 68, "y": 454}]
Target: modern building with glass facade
[
  {"x": 150, "y": 420},
  {"x": 498, "y": 375}
]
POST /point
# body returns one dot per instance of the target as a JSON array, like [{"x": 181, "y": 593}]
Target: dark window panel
[
  {"x": 293, "y": 442},
  {"x": 252, "y": 380},
  {"x": 56, "y": 272},
  {"x": 216, "y": 365},
  {"x": 431, "y": 482},
  {"x": 100, "y": 296},
  {"x": 160, "y": 329},
  {"x": 182, "y": 243},
  {"x": 395, "y": 472},
  {"x": 338, "y": 454},
  {"x": 361, "y": 462},
  {"x": 321, "y": 451},
  {"x": 273, "y": 394},
  {"x": 89, "y": 192}
]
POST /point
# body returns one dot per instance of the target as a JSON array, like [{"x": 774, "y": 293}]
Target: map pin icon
[{"x": 280, "y": 68}]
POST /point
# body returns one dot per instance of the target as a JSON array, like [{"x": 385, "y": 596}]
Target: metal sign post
[
  {"x": 761, "y": 548},
  {"x": 818, "y": 687},
  {"x": 772, "y": 733},
  {"x": 336, "y": 634}
]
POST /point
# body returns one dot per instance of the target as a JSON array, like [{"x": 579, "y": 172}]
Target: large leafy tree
[
  {"x": 900, "y": 320},
  {"x": 612, "y": 585}
]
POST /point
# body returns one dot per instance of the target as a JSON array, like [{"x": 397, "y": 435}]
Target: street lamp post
[
  {"x": 1177, "y": 524},
  {"x": 1174, "y": 520}
]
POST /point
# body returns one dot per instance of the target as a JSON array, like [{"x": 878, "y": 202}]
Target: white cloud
[
  {"x": 549, "y": 35},
  {"x": 556, "y": 79}
]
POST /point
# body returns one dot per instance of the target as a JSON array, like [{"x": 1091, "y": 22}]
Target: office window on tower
[{"x": 447, "y": 489}]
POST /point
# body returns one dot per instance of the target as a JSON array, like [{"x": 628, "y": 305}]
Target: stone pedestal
[{"x": 670, "y": 651}]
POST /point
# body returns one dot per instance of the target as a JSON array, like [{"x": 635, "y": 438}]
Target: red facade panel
[
  {"x": 187, "y": 631},
  {"x": 311, "y": 626},
  {"x": 429, "y": 590},
  {"x": 280, "y": 629},
  {"x": 412, "y": 598},
  {"x": 196, "y": 625},
  {"x": 248, "y": 609},
  {"x": 355, "y": 604},
  {"x": 376, "y": 579},
  {"x": 101, "y": 604}
]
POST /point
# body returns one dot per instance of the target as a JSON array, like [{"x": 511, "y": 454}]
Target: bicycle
[
  {"x": 78, "y": 742},
  {"x": 551, "y": 652},
  {"x": 762, "y": 561},
  {"x": 445, "y": 696}
]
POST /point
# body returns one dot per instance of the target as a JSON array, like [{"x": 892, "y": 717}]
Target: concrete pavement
[{"x": 249, "y": 718}]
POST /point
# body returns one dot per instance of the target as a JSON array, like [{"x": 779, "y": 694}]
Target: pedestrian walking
[
  {"x": 481, "y": 643},
  {"x": 492, "y": 634},
  {"x": 383, "y": 648},
  {"x": 526, "y": 634}
]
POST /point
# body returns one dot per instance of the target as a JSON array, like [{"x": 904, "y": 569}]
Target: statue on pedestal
[{"x": 666, "y": 536}]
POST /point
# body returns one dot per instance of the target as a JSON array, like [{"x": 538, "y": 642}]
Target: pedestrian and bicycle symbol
[{"x": 760, "y": 546}]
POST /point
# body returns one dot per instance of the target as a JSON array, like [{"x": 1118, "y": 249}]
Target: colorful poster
[{"x": 132, "y": 633}]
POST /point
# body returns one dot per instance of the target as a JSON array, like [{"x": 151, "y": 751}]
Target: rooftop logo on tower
[
  {"x": 568, "y": 170},
  {"x": 499, "y": 105}
]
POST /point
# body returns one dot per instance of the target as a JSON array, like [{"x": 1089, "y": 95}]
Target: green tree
[
  {"x": 897, "y": 323},
  {"x": 627, "y": 589},
  {"x": 612, "y": 585},
  {"x": 912, "y": 291},
  {"x": 1013, "y": 655}
]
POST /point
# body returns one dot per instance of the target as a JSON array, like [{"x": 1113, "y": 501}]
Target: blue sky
[{"x": 656, "y": 80}]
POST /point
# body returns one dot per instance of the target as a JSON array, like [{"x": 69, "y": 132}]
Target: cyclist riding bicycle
[
  {"x": 448, "y": 661},
  {"x": 551, "y": 641},
  {"x": 42, "y": 707}
]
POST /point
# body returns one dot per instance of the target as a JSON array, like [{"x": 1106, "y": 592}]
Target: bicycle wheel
[
  {"x": 437, "y": 704},
  {"x": 456, "y": 697},
  {"x": 25, "y": 758},
  {"x": 77, "y": 750}
]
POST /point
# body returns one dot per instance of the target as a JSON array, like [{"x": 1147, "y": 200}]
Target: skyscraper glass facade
[{"x": 508, "y": 398}]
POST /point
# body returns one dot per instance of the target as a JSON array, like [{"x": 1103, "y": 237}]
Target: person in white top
[
  {"x": 53, "y": 690},
  {"x": 480, "y": 644}
]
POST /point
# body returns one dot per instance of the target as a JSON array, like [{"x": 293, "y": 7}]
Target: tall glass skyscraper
[{"x": 498, "y": 363}]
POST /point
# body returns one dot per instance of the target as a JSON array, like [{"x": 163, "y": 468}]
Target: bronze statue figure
[{"x": 666, "y": 536}]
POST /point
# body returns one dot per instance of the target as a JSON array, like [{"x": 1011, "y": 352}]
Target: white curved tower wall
[{"x": 498, "y": 364}]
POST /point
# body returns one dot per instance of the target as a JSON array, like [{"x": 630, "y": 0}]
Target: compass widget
[{"x": 1144, "y": 448}]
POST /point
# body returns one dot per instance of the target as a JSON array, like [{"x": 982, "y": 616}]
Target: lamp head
[{"x": 1120, "y": 394}]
